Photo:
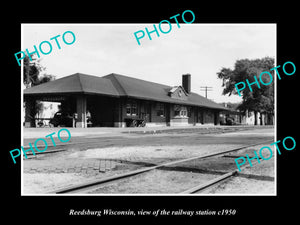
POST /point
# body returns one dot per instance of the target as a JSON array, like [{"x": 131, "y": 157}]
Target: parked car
[
  {"x": 230, "y": 121},
  {"x": 63, "y": 119}
]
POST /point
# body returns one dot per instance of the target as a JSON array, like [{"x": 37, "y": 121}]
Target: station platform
[{"x": 29, "y": 133}]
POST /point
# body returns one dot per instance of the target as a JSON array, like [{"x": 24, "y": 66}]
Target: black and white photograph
[
  {"x": 160, "y": 117},
  {"x": 167, "y": 114}
]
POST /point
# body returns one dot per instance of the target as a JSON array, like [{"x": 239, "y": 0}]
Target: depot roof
[{"x": 116, "y": 85}]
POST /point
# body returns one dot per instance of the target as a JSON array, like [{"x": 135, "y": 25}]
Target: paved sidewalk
[
  {"x": 82, "y": 166},
  {"x": 115, "y": 131}
]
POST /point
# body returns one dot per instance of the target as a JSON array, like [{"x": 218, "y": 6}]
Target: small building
[
  {"x": 263, "y": 118},
  {"x": 118, "y": 101},
  {"x": 246, "y": 117}
]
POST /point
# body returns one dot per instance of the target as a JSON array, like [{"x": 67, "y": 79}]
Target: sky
[{"x": 201, "y": 50}]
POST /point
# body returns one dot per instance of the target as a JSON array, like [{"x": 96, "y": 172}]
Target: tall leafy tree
[
  {"x": 260, "y": 99},
  {"x": 32, "y": 73},
  {"x": 32, "y": 76}
]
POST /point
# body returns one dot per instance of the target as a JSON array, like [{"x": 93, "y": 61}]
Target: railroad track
[{"x": 92, "y": 185}]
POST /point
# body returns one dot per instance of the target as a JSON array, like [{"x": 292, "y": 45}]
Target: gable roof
[
  {"x": 175, "y": 88},
  {"x": 76, "y": 83},
  {"x": 141, "y": 89},
  {"x": 137, "y": 88},
  {"x": 117, "y": 85}
]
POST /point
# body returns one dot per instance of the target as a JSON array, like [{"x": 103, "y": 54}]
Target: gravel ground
[
  {"x": 243, "y": 186},
  {"x": 155, "y": 182},
  {"x": 147, "y": 152},
  {"x": 41, "y": 183},
  {"x": 40, "y": 177}
]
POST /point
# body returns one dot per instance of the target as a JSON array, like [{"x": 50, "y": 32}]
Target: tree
[
  {"x": 32, "y": 73},
  {"x": 32, "y": 77},
  {"x": 260, "y": 99}
]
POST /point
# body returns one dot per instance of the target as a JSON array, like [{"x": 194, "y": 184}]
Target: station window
[
  {"x": 128, "y": 109},
  {"x": 160, "y": 109},
  {"x": 183, "y": 113},
  {"x": 180, "y": 111},
  {"x": 177, "y": 109},
  {"x": 131, "y": 109}
]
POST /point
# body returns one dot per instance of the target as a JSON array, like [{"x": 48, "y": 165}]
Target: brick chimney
[{"x": 186, "y": 82}]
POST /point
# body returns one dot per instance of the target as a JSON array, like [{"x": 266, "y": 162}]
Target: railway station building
[{"x": 118, "y": 101}]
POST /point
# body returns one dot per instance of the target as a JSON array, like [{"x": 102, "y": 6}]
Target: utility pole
[{"x": 206, "y": 89}]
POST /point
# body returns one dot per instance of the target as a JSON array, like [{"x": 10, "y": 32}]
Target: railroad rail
[
  {"x": 83, "y": 187},
  {"x": 210, "y": 183}
]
